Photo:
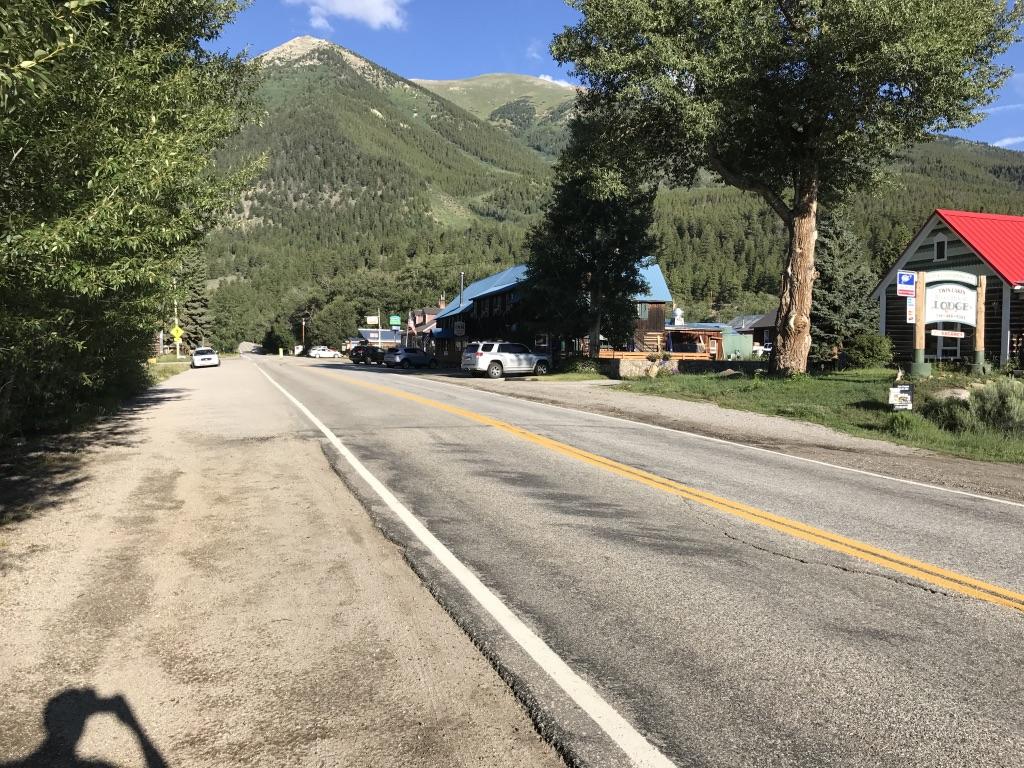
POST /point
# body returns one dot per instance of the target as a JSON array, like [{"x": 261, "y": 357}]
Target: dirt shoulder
[
  {"x": 796, "y": 438},
  {"x": 202, "y": 589}
]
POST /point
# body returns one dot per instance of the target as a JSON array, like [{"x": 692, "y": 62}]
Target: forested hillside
[{"x": 378, "y": 192}]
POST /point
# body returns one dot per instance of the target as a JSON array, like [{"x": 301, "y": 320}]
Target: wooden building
[{"x": 979, "y": 244}]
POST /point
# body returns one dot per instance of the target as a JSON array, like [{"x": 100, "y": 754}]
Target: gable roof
[
  {"x": 997, "y": 239},
  {"x": 657, "y": 288}
]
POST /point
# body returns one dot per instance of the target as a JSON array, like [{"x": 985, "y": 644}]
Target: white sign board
[
  {"x": 372, "y": 319},
  {"x": 911, "y": 310},
  {"x": 459, "y": 328},
  {"x": 951, "y": 303},
  {"x": 906, "y": 283},
  {"x": 948, "y": 334}
]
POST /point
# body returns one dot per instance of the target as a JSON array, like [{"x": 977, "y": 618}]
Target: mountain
[
  {"x": 534, "y": 110},
  {"x": 378, "y": 191},
  {"x": 365, "y": 171}
]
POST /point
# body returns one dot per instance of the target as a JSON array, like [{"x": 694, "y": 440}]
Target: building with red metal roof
[{"x": 969, "y": 245}]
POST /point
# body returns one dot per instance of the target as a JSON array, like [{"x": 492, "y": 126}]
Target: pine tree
[
  {"x": 842, "y": 307},
  {"x": 194, "y": 314}
]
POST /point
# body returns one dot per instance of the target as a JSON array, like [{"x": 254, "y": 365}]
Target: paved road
[{"x": 723, "y": 638}]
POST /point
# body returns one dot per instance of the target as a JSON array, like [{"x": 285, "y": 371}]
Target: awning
[{"x": 442, "y": 333}]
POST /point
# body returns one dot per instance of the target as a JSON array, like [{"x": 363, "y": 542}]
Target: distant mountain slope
[
  {"x": 533, "y": 110},
  {"x": 365, "y": 170}
]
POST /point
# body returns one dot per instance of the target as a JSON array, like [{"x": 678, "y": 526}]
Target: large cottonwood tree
[{"x": 799, "y": 101}]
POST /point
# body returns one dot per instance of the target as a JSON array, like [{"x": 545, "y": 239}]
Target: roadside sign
[
  {"x": 394, "y": 320},
  {"x": 177, "y": 333},
  {"x": 396, "y": 327},
  {"x": 911, "y": 310},
  {"x": 372, "y": 319},
  {"x": 901, "y": 397},
  {"x": 459, "y": 328},
  {"x": 948, "y": 334},
  {"x": 906, "y": 283}
]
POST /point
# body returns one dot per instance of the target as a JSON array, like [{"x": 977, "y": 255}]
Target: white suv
[
  {"x": 496, "y": 358},
  {"x": 324, "y": 352}
]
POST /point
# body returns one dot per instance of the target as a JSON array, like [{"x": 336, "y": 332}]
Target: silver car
[
  {"x": 204, "y": 357},
  {"x": 497, "y": 358}
]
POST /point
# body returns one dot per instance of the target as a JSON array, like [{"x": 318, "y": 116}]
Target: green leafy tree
[
  {"x": 335, "y": 322},
  {"x": 586, "y": 254},
  {"x": 842, "y": 308},
  {"x": 799, "y": 101},
  {"x": 108, "y": 179},
  {"x": 194, "y": 314}
]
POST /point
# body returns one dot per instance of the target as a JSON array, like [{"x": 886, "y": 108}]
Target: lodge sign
[{"x": 951, "y": 303}]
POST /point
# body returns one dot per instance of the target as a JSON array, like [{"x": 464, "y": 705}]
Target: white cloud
[
  {"x": 1002, "y": 108},
  {"x": 375, "y": 13},
  {"x": 1009, "y": 141},
  {"x": 535, "y": 50},
  {"x": 550, "y": 79}
]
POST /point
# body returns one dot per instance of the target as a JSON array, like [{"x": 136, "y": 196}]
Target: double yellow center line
[{"x": 932, "y": 574}]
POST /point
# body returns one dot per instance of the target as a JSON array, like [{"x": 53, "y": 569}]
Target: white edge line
[
  {"x": 723, "y": 441},
  {"x": 635, "y": 746}
]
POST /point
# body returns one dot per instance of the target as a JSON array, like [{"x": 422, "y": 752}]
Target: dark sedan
[{"x": 366, "y": 354}]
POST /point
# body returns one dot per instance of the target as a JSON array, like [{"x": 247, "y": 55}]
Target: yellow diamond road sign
[{"x": 176, "y": 332}]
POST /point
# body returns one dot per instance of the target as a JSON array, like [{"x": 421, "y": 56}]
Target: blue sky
[{"x": 448, "y": 39}]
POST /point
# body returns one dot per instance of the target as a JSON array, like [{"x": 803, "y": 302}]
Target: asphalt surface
[{"x": 724, "y": 642}]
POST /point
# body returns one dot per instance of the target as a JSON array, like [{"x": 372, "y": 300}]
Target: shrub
[
  {"x": 1000, "y": 405},
  {"x": 906, "y": 425},
  {"x": 869, "y": 350},
  {"x": 653, "y": 357},
  {"x": 666, "y": 356},
  {"x": 952, "y": 415},
  {"x": 580, "y": 365}
]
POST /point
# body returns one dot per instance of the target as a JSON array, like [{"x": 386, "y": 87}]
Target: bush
[
  {"x": 906, "y": 425},
  {"x": 1000, "y": 405},
  {"x": 869, "y": 350},
  {"x": 580, "y": 365},
  {"x": 653, "y": 357},
  {"x": 952, "y": 415}
]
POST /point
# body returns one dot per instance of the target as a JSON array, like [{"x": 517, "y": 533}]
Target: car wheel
[
  {"x": 433, "y": 363},
  {"x": 406, "y": 365},
  {"x": 494, "y": 371},
  {"x": 541, "y": 369}
]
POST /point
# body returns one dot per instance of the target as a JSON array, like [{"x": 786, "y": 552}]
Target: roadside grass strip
[
  {"x": 633, "y": 744},
  {"x": 932, "y": 574}
]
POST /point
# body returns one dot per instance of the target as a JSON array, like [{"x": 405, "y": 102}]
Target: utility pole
[
  {"x": 303, "y": 333},
  {"x": 177, "y": 339},
  {"x": 380, "y": 341},
  {"x": 462, "y": 287}
]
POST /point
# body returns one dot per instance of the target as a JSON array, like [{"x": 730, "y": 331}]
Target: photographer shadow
[{"x": 65, "y": 717}]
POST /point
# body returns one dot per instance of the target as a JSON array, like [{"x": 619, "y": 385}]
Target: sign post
[
  {"x": 919, "y": 367},
  {"x": 979, "y": 330}
]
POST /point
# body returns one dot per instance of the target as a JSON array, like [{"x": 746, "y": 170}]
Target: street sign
[
  {"x": 906, "y": 283},
  {"x": 372, "y": 319},
  {"x": 396, "y": 327},
  {"x": 911, "y": 310},
  {"x": 394, "y": 320},
  {"x": 901, "y": 397},
  {"x": 948, "y": 334},
  {"x": 459, "y": 328},
  {"x": 177, "y": 333}
]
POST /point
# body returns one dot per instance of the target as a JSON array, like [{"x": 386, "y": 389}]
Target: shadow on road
[
  {"x": 447, "y": 373},
  {"x": 65, "y": 717},
  {"x": 37, "y": 472}
]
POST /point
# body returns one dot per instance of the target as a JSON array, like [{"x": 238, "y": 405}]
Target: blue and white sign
[{"x": 906, "y": 283}]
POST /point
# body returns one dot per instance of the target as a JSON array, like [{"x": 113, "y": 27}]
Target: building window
[
  {"x": 643, "y": 311},
  {"x": 940, "y": 249}
]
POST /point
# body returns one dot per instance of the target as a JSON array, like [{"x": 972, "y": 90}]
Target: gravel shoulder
[
  {"x": 203, "y": 590},
  {"x": 797, "y": 438}
]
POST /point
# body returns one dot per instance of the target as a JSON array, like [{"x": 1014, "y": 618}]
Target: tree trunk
[
  {"x": 793, "y": 325},
  {"x": 595, "y": 338}
]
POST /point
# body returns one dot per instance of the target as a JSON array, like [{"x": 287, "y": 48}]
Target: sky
[{"x": 452, "y": 39}]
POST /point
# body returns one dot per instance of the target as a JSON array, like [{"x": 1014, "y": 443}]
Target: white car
[
  {"x": 204, "y": 357},
  {"x": 324, "y": 352},
  {"x": 497, "y": 358}
]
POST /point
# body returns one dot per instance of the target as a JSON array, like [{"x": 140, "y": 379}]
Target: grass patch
[
  {"x": 159, "y": 371},
  {"x": 575, "y": 376},
  {"x": 855, "y": 402}
]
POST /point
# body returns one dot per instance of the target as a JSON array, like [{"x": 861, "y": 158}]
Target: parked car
[
  {"x": 409, "y": 357},
  {"x": 324, "y": 352},
  {"x": 496, "y": 358},
  {"x": 366, "y": 354},
  {"x": 204, "y": 357}
]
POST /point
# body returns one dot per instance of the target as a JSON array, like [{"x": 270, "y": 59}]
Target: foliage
[
  {"x": 1000, "y": 405},
  {"x": 193, "y": 301},
  {"x": 951, "y": 414},
  {"x": 334, "y": 323},
  {"x": 579, "y": 365},
  {"x": 842, "y": 307},
  {"x": 587, "y": 253},
  {"x": 801, "y": 103},
  {"x": 108, "y": 181},
  {"x": 868, "y": 350}
]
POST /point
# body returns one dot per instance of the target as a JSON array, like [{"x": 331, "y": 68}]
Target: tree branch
[{"x": 740, "y": 181}]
